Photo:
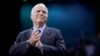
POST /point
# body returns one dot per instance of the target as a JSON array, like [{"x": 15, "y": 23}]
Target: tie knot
[{"x": 39, "y": 31}]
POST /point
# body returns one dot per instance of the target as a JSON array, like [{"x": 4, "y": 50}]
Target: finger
[
  {"x": 34, "y": 31},
  {"x": 35, "y": 34},
  {"x": 33, "y": 40},
  {"x": 37, "y": 39}
]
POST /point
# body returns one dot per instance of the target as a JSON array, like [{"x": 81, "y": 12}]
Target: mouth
[{"x": 40, "y": 17}]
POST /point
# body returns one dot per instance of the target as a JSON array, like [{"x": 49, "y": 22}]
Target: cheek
[
  {"x": 33, "y": 17},
  {"x": 46, "y": 17}
]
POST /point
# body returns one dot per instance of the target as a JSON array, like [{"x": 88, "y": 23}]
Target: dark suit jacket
[{"x": 52, "y": 40}]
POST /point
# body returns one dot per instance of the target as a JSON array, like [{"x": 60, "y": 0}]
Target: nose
[{"x": 40, "y": 12}]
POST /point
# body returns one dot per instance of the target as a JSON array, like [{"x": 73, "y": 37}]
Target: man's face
[{"x": 39, "y": 15}]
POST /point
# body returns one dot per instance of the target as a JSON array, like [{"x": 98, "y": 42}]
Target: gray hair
[{"x": 37, "y": 6}]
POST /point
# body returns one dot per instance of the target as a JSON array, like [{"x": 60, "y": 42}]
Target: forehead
[{"x": 40, "y": 7}]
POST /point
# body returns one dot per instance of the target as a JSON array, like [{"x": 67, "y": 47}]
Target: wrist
[{"x": 28, "y": 42}]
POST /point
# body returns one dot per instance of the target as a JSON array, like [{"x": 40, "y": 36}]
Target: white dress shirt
[{"x": 41, "y": 29}]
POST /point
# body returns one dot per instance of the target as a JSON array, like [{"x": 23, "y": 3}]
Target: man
[{"x": 39, "y": 40}]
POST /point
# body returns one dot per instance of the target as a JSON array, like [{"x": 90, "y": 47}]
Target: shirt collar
[{"x": 41, "y": 28}]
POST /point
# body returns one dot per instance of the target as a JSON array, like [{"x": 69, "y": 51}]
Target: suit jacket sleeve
[
  {"x": 19, "y": 47},
  {"x": 59, "y": 49}
]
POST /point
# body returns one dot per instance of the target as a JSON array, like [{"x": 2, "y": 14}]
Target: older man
[{"x": 40, "y": 40}]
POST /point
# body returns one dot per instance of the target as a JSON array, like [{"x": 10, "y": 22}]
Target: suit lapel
[
  {"x": 45, "y": 34},
  {"x": 29, "y": 33}
]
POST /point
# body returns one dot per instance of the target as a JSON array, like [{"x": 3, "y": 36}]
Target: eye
[
  {"x": 44, "y": 12},
  {"x": 38, "y": 11}
]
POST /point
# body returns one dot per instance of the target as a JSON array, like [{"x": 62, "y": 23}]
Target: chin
[{"x": 39, "y": 21}]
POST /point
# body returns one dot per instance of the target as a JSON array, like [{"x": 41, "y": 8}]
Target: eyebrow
[{"x": 42, "y": 10}]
